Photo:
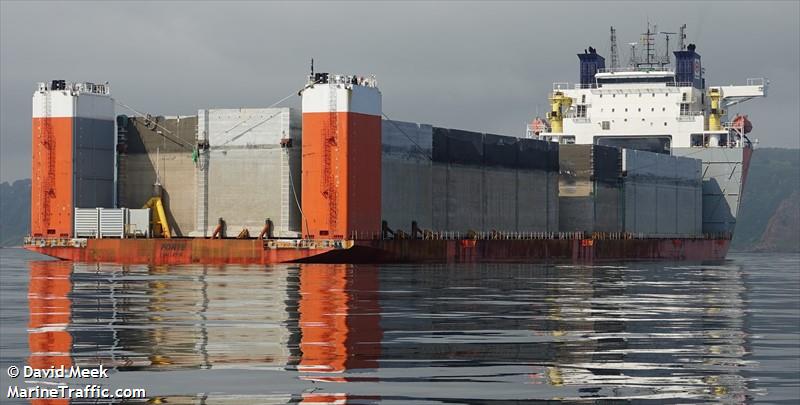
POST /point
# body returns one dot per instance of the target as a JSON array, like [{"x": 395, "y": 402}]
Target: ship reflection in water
[{"x": 366, "y": 334}]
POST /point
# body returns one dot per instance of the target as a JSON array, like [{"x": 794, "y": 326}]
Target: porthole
[
  {"x": 626, "y": 110},
  {"x": 612, "y": 110},
  {"x": 665, "y": 123},
  {"x": 653, "y": 109},
  {"x": 626, "y": 120},
  {"x": 639, "y": 109},
  {"x": 663, "y": 108},
  {"x": 654, "y": 94}
]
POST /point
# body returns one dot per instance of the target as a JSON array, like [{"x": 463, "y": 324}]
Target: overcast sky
[{"x": 479, "y": 65}]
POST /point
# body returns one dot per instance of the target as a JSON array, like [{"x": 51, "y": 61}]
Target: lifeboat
[{"x": 742, "y": 123}]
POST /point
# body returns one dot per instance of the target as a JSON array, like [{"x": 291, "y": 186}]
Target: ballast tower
[
  {"x": 73, "y": 154},
  {"x": 341, "y": 157}
]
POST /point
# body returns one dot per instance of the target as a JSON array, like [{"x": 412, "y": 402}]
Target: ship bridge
[{"x": 649, "y": 106}]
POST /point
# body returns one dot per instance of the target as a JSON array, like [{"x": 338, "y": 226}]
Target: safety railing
[
  {"x": 81, "y": 87},
  {"x": 367, "y": 81},
  {"x": 635, "y": 69}
]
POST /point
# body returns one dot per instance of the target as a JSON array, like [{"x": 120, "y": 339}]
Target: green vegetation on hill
[
  {"x": 15, "y": 212},
  {"x": 768, "y": 218},
  {"x": 772, "y": 183}
]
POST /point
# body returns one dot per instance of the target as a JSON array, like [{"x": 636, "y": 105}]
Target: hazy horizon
[{"x": 478, "y": 66}]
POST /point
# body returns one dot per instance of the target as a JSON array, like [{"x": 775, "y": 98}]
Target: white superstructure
[
  {"x": 657, "y": 106},
  {"x": 648, "y": 105}
]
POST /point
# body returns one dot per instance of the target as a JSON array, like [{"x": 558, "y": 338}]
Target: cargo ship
[{"x": 632, "y": 162}]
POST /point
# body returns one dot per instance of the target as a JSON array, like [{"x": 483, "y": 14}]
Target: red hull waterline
[{"x": 250, "y": 251}]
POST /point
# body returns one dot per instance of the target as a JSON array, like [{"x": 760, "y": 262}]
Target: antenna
[
  {"x": 665, "y": 60},
  {"x": 614, "y": 51},
  {"x": 682, "y": 38},
  {"x": 647, "y": 41},
  {"x": 312, "y": 67},
  {"x": 634, "y": 60}
]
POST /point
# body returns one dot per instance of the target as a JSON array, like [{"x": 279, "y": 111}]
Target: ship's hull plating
[{"x": 230, "y": 251}]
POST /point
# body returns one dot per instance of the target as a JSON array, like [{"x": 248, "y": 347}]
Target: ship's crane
[{"x": 732, "y": 95}]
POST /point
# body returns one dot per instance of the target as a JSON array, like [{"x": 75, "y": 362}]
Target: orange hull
[
  {"x": 341, "y": 174},
  {"x": 253, "y": 251},
  {"x": 51, "y": 173},
  {"x": 179, "y": 251}
]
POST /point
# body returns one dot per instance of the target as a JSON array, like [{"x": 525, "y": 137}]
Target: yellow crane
[{"x": 159, "y": 218}]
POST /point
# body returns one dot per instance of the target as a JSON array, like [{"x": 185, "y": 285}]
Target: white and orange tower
[
  {"x": 341, "y": 157},
  {"x": 73, "y": 154}
]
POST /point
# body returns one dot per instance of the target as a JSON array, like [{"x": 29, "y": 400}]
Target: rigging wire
[
  {"x": 422, "y": 151},
  {"x": 296, "y": 200},
  {"x": 175, "y": 139}
]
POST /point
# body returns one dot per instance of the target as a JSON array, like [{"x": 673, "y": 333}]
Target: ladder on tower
[
  {"x": 47, "y": 140},
  {"x": 331, "y": 141}
]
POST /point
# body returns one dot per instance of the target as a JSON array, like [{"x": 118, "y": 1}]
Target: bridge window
[{"x": 657, "y": 143}]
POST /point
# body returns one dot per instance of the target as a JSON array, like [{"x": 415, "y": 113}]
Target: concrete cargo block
[
  {"x": 501, "y": 199},
  {"x": 406, "y": 193},
  {"x": 666, "y": 211},
  {"x": 576, "y": 214},
  {"x": 465, "y": 207},
  {"x": 244, "y": 188},
  {"x": 607, "y": 208},
  {"x": 247, "y": 127}
]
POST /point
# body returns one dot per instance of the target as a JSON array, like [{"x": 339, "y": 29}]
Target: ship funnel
[
  {"x": 590, "y": 63},
  {"x": 688, "y": 69}
]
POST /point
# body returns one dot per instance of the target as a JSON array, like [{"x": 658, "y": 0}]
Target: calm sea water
[{"x": 419, "y": 334}]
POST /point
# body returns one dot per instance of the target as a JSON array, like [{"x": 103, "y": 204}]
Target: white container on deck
[{"x": 112, "y": 222}]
